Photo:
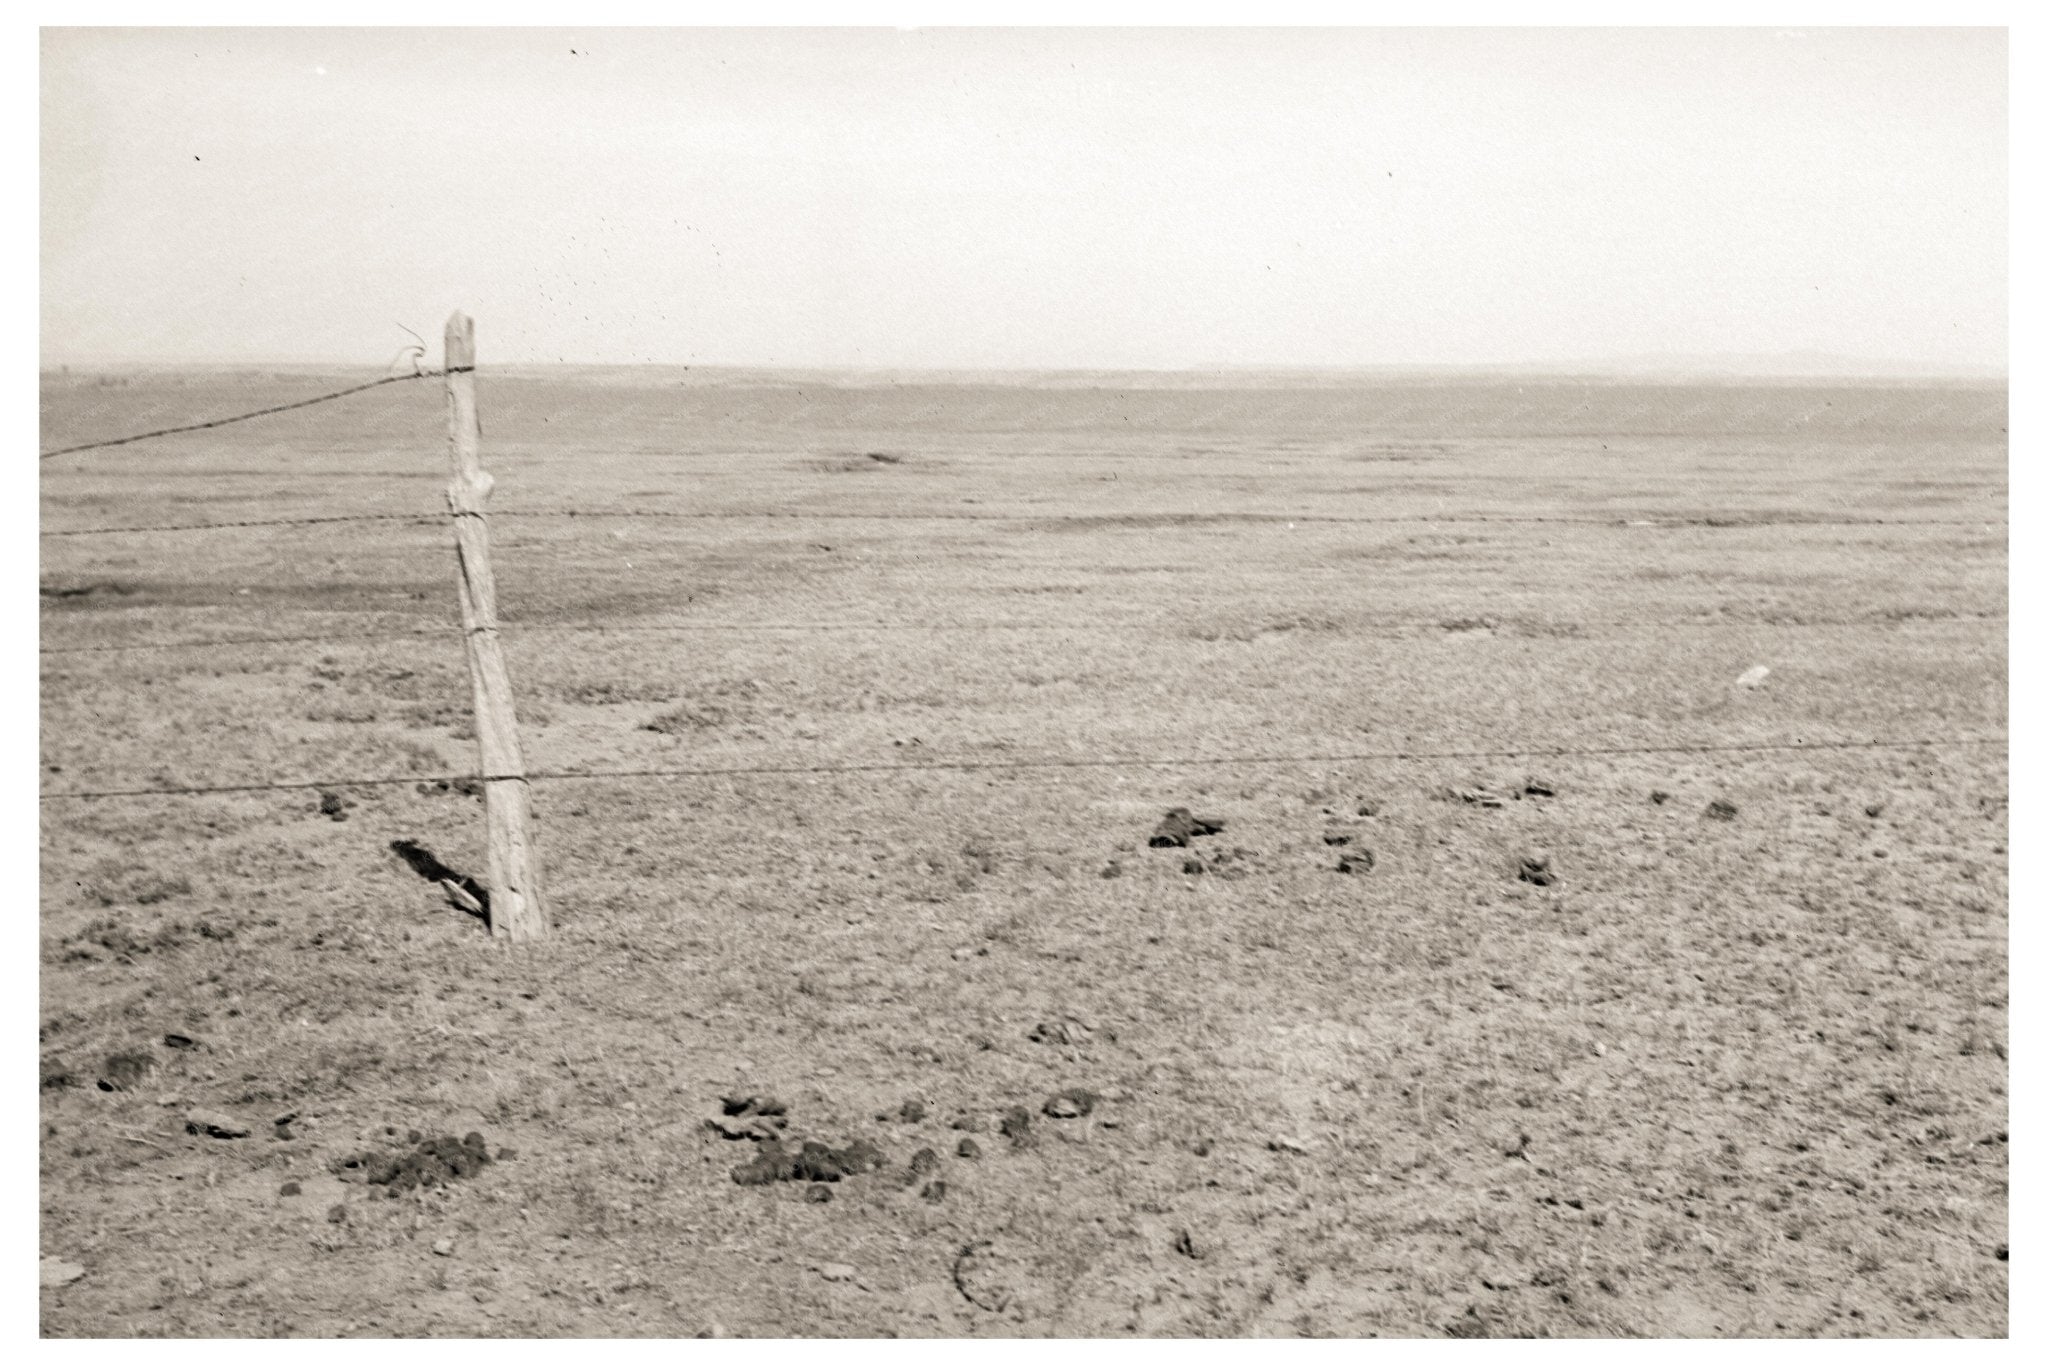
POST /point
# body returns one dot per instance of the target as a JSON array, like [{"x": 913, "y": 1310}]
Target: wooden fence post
[{"x": 516, "y": 911}]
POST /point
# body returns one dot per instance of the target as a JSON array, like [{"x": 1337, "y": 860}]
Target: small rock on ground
[
  {"x": 57, "y": 1274},
  {"x": 1071, "y": 1104},
  {"x": 836, "y": 1271},
  {"x": 213, "y": 1123}
]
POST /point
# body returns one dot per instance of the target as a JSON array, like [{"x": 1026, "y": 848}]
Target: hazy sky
[{"x": 1028, "y": 198}]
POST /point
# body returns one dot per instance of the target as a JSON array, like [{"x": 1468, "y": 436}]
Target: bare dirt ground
[{"x": 1569, "y": 1054}]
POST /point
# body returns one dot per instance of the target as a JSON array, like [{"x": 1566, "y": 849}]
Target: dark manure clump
[
  {"x": 435, "y": 1160},
  {"x": 815, "y": 1162}
]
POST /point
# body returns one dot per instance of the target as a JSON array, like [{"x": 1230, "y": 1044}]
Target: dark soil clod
[
  {"x": 1062, "y": 1033},
  {"x": 1658, "y": 798},
  {"x": 856, "y": 1158},
  {"x": 1358, "y": 860},
  {"x": 1467, "y": 1328},
  {"x": 770, "y": 1164},
  {"x": 179, "y": 1041},
  {"x": 923, "y": 1161},
  {"x": 1535, "y": 869},
  {"x": 334, "y": 805},
  {"x": 818, "y": 1194},
  {"x": 1016, "y": 1126},
  {"x": 126, "y": 1070},
  {"x": 1537, "y": 786},
  {"x": 1181, "y": 825},
  {"x": 935, "y": 1192},
  {"x": 288, "y": 1190},
  {"x": 57, "y": 1076},
  {"x": 461, "y": 786},
  {"x": 1334, "y": 839},
  {"x": 1720, "y": 810},
  {"x": 969, "y": 1149},
  {"x": 747, "y": 1128}
]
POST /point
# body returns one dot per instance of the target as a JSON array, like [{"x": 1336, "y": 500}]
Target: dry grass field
[{"x": 934, "y": 660}]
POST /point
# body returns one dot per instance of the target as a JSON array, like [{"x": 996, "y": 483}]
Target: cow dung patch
[
  {"x": 814, "y": 1161},
  {"x": 434, "y": 1160}
]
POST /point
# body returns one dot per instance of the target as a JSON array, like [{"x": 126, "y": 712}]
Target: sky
[{"x": 1026, "y": 198}]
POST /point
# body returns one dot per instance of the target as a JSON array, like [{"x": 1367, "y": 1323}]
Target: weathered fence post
[{"x": 516, "y": 910}]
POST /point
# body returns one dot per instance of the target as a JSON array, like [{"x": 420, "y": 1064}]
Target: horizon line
[{"x": 1732, "y": 366}]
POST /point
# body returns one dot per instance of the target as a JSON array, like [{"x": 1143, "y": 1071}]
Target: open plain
[{"x": 1663, "y": 1004}]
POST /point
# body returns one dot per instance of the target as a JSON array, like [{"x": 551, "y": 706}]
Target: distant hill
[{"x": 1789, "y": 365}]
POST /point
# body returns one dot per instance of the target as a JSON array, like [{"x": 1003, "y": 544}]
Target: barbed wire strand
[
  {"x": 1107, "y": 519},
  {"x": 1034, "y": 764},
  {"x": 339, "y": 637},
  {"x": 246, "y": 416},
  {"x": 419, "y": 518},
  {"x": 1562, "y": 630}
]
